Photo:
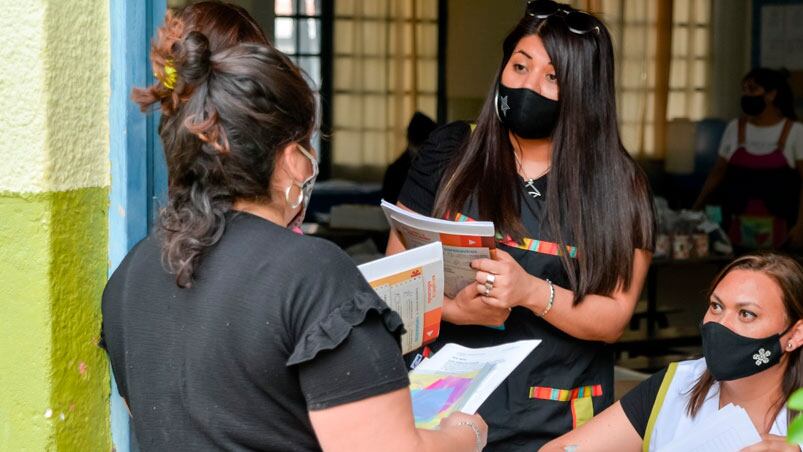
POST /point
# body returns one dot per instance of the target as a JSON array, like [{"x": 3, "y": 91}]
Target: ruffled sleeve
[
  {"x": 333, "y": 329},
  {"x": 426, "y": 171}
]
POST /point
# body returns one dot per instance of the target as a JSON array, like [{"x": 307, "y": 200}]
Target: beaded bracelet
[
  {"x": 551, "y": 298},
  {"x": 477, "y": 433}
]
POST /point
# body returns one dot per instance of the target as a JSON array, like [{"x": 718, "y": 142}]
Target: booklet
[
  {"x": 461, "y": 378},
  {"x": 463, "y": 242},
  {"x": 436, "y": 395},
  {"x": 411, "y": 283},
  {"x": 728, "y": 430}
]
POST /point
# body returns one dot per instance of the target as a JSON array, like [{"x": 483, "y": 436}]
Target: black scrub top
[
  {"x": 275, "y": 325},
  {"x": 565, "y": 380}
]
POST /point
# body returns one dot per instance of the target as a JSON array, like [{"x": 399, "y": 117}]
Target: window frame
[
  {"x": 436, "y": 94},
  {"x": 326, "y": 19}
]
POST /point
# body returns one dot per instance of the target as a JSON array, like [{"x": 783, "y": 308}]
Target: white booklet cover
[
  {"x": 463, "y": 241},
  {"x": 411, "y": 283}
]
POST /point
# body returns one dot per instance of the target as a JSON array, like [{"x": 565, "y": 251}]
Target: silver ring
[
  {"x": 488, "y": 289},
  {"x": 490, "y": 279}
]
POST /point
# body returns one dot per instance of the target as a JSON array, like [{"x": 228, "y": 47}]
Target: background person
[
  {"x": 760, "y": 162},
  {"x": 418, "y": 131}
]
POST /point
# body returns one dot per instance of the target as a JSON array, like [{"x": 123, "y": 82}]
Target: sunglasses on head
[{"x": 577, "y": 22}]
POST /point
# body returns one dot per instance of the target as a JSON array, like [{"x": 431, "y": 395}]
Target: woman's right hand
[
  {"x": 387, "y": 419},
  {"x": 467, "y": 308},
  {"x": 466, "y": 425}
]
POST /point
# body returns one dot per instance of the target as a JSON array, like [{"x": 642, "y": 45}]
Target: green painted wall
[
  {"x": 54, "y": 188},
  {"x": 78, "y": 247},
  {"x": 25, "y": 323},
  {"x": 54, "y": 379}
]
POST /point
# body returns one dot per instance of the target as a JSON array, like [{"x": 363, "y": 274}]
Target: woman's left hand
[
  {"x": 511, "y": 283},
  {"x": 772, "y": 443}
]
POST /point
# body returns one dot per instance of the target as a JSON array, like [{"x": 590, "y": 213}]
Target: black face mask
[
  {"x": 730, "y": 356},
  {"x": 753, "y": 105},
  {"x": 525, "y": 112}
]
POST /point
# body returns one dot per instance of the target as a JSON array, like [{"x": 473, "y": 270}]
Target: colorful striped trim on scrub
[
  {"x": 582, "y": 411},
  {"x": 461, "y": 218},
  {"x": 527, "y": 244},
  {"x": 565, "y": 395},
  {"x": 539, "y": 246}
]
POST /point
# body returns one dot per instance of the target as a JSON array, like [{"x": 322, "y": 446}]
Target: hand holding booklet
[
  {"x": 458, "y": 378},
  {"x": 463, "y": 242}
]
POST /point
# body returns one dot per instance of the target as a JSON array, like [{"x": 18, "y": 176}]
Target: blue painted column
[{"x": 136, "y": 174}]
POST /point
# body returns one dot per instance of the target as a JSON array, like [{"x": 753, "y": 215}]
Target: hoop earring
[{"x": 298, "y": 201}]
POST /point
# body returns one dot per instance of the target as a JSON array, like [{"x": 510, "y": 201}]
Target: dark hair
[
  {"x": 225, "y": 25},
  {"x": 235, "y": 108},
  {"x": 597, "y": 196},
  {"x": 419, "y": 128},
  {"x": 775, "y": 80},
  {"x": 788, "y": 274}
]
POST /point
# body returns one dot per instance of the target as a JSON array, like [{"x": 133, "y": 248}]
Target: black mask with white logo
[
  {"x": 525, "y": 112},
  {"x": 730, "y": 356},
  {"x": 753, "y": 105}
]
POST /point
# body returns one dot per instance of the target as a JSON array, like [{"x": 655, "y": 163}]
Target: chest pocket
[{"x": 580, "y": 400}]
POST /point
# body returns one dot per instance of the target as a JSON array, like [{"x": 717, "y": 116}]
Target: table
[
  {"x": 345, "y": 238},
  {"x": 651, "y": 285}
]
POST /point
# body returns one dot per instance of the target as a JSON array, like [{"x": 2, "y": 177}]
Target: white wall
[
  {"x": 730, "y": 55},
  {"x": 476, "y": 29}
]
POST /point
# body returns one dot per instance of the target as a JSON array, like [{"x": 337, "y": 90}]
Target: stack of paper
[
  {"x": 461, "y": 378},
  {"x": 730, "y": 429}
]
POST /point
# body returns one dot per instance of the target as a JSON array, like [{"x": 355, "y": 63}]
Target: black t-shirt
[
  {"x": 539, "y": 401},
  {"x": 275, "y": 325},
  {"x": 637, "y": 404}
]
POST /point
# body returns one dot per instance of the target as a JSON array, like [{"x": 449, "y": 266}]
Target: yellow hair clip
[{"x": 170, "y": 75}]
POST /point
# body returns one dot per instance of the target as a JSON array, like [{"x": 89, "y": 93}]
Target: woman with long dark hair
[
  {"x": 574, "y": 219},
  {"x": 758, "y": 172},
  {"x": 752, "y": 333},
  {"x": 225, "y": 329}
]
